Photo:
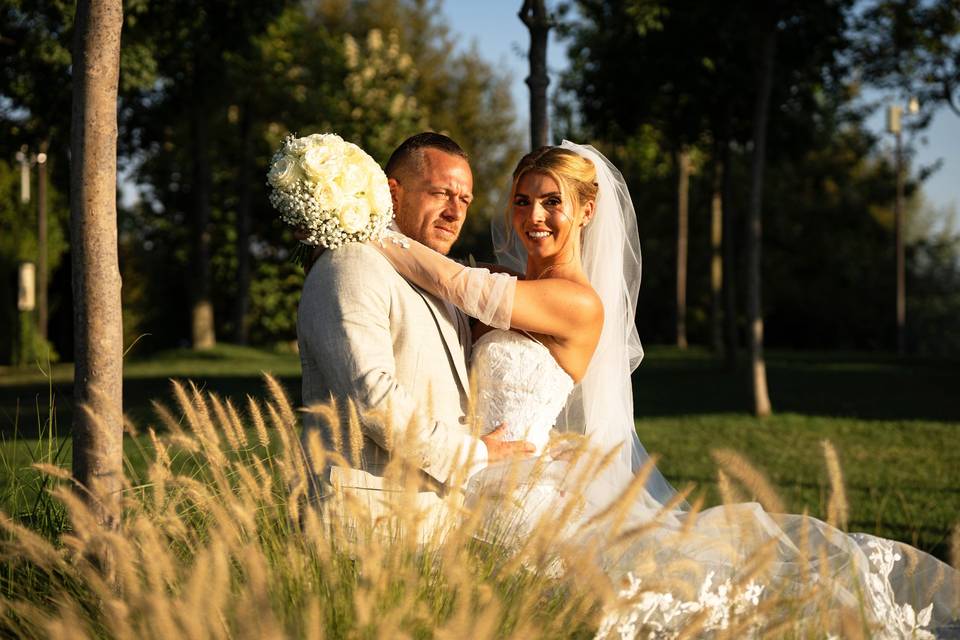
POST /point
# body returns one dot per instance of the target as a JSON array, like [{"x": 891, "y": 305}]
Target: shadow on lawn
[
  {"x": 138, "y": 394},
  {"x": 669, "y": 383}
]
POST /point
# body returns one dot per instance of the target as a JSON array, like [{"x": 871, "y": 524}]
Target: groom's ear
[{"x": 394, "y": 193}]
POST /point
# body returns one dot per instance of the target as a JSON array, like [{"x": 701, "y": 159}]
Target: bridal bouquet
[{"x": 330, "y": 189}]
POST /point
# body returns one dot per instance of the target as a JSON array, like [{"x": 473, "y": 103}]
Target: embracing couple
[
  {"x": 388, "y": 329},
  {"x": 388, "y": 325}
]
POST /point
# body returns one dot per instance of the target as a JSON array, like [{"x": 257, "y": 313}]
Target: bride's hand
[{"x": 499, "y": 449}]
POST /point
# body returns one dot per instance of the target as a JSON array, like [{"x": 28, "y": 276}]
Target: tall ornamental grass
[{"x": 227, "y": 536}]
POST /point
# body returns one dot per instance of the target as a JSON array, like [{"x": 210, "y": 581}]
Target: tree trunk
[
  {"x": 898, "y": 231},
  {"x": 245, "y": 178},
  {"x": 731, "y": 342},
  {"x": 758, "y": 369},
  {"x": 42, "y": 276},
  {"x": 683, "y": 233},
  {"x": 716, "y": 253},
  {"x": 534, "y": 15},
  {"x": 98, "y": 328},
  {"x": 203, "y": 334}
]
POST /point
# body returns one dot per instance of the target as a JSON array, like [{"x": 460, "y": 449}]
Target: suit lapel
[{"x": 448, "y": 331}]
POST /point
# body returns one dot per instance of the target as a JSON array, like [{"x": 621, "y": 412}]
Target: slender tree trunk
[
  {"x": 683, "y": 233},
  {"x": 716, "y": 253},
  {"x": 98, "y": 328},
  {"x": 245, "y": 178},
  {"x": 534, "y": 15},
  {"x": 898, "y": 230},
  {"x": 731, "y": 342},
  {"x": 203, "y": 334},
  {"x": 42, "y": 269},
  {"x": 758, "y": 369}
]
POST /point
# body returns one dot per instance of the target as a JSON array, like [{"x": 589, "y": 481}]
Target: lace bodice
[{"x": 518, "y": 382}]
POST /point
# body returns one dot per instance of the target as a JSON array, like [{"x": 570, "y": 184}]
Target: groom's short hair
[{"x": 410, "y": 151}]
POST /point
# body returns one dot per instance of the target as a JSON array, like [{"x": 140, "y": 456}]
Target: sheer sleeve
[{"x": 486, "y": 296}]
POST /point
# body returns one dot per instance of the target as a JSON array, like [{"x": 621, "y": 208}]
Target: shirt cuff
[
  {"x": 479, "y": 461},
  {"x": 472, "y": 457}
]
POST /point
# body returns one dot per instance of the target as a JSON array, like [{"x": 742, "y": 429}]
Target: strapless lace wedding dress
[
  {"x": 898, "y": 590},
  {"x": 520, "y": 384}
]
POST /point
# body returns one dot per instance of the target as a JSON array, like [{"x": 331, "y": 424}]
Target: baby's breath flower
[{"x": 329, "y": 188}]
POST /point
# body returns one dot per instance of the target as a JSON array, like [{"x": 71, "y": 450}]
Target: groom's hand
[
  {"x": 499, "y": 449},
  {"x": 302, "y": 234}
]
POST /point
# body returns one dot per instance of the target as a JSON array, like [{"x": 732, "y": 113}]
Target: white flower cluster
[
  {"x": 656, "y": 614},
  {"x": 899, "y": 621},
  {"x": 331, "y": 189}
]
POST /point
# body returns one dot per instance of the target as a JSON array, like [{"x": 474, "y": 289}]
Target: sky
[{"x": 503, "y": 40}]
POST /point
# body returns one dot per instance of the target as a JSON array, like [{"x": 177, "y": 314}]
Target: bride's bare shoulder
[
  {"x": 587, "y": 301},
  {"x": 573, "y": 298}
]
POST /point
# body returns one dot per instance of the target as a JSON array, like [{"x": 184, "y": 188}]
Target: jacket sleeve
[{"x": 345, "y": 320}]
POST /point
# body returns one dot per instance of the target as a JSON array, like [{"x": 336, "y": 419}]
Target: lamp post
[
  {"x": 27, "y": 160},
  {"x": 894, "y": 114},
  {"x": 42, "y": 241}
]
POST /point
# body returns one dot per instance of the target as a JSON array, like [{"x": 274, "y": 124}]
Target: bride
[{"x": 557, "y": 347}]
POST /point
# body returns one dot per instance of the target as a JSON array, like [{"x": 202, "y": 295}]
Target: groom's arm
[{"x": 350, "y": 334}]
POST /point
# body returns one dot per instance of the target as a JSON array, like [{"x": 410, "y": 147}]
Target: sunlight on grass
[{"x": 219, "y": 539}]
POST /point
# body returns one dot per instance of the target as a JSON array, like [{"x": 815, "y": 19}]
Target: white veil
[{"x": 601, "y": 406}]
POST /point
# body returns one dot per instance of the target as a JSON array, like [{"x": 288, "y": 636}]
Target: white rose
[
  {"x": 353, "y": 179},
  {"x": 331, "y": 140},
  {"x": 283, "y": 173},
  {"x": 297, "y": 146},
  {"x": 374, "y": 169},
  {"x": 378, "y": 194},
  {"x": 328, "y": 193},
  {"x": 354, "y": 215},
  {"x": 353, "y": 153},
  {"x": 319, "y": 162}
]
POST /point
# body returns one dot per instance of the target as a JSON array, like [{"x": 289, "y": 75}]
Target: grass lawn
[
  {"x": 895, "y": 424},
  {"x": 230, "y": 370},
  {"x": 902, "y": 477}
]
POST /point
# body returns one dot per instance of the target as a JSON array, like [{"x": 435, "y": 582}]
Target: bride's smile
[{"x": 541, "y": 216}]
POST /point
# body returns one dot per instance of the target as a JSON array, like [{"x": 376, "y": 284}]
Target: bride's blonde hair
[{"x": 575, "y": 175}]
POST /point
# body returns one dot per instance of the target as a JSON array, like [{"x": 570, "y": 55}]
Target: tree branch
[
  {"x": 533, "y": 14},
  {"x": 525, "y": 13},
  {"x": 948, "y": 97}
]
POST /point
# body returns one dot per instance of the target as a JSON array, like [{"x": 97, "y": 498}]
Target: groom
[{"x": 399, "y": 354}]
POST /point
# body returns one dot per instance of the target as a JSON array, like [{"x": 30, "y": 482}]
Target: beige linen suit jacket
[{"x": 400, "y": 354}]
